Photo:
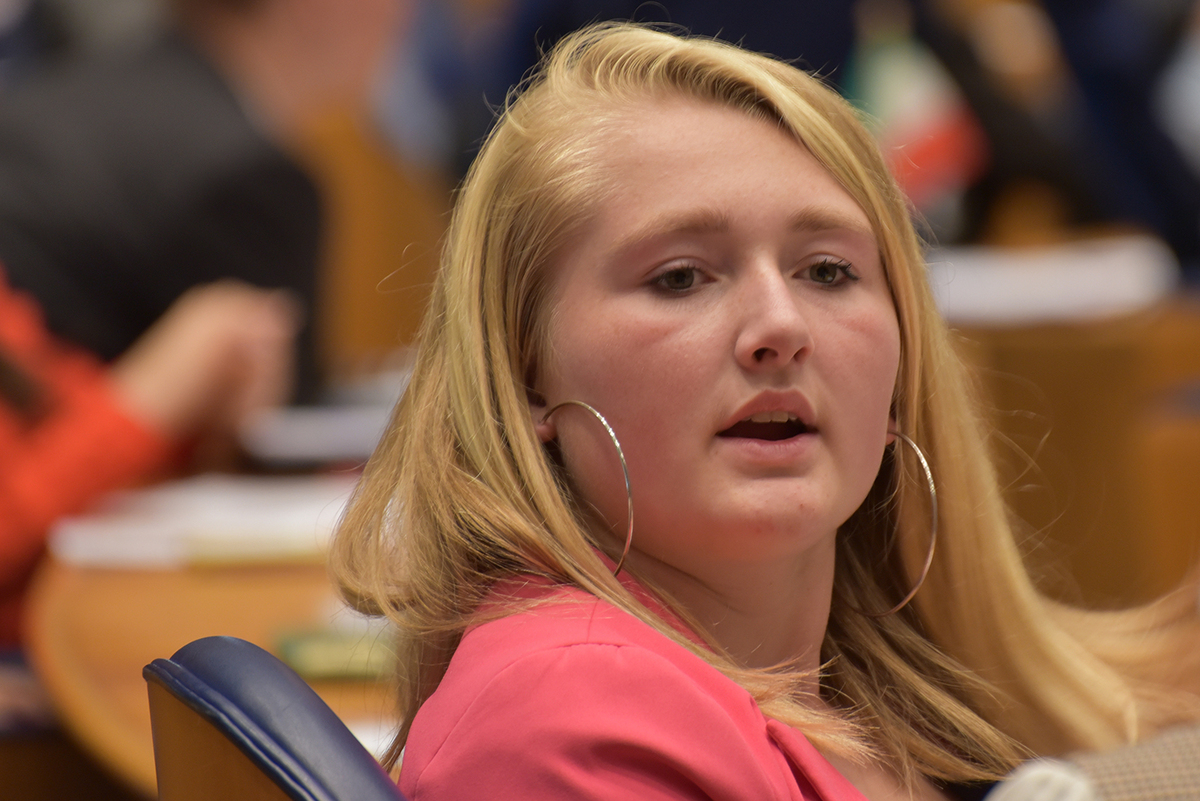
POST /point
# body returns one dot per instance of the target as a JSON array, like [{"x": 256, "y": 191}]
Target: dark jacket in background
[{"x": 125, "y": 181}]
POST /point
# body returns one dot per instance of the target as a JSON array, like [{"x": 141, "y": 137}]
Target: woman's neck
[{"x": 762, "y": 614}]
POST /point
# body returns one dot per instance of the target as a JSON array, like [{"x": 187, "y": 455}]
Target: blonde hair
[{"x": 976, "y": 674}]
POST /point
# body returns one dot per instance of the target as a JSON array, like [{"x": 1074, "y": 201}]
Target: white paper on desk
[
  {"x": 1083, "y": 280},
  {"x": 315, "y": 434},
  {"x": 346, "y": 429},
  {"x": 209, "y": 518}
]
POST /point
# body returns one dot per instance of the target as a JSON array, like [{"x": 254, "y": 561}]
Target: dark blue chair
[{"x": 232, "y": 721}]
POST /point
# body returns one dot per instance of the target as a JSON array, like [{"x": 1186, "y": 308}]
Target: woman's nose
[{"x": 775, "y": 327}]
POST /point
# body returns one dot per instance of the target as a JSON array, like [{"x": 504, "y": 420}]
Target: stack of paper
[
  {"x": 213, "y": 518},
  {"x": 1082, "y": 280}
]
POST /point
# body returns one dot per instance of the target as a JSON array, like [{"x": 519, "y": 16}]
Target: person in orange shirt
[{"x": 72, "y": 429}]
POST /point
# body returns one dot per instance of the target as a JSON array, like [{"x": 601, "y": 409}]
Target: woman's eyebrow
[
  {"x": 821, "y": 219},
  {"x": 709, "y": 221},
  {"x": 697, "y": 221}
]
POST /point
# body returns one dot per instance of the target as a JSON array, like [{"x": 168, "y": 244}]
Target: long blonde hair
[{"x": 977, "y": 673}]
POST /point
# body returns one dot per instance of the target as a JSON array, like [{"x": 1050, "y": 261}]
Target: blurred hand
[{"x": 222, "y": 352}]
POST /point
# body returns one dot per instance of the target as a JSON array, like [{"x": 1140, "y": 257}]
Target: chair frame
[{"x": 229, "y": 719}]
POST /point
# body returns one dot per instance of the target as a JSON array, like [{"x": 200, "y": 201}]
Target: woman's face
[{"x": 727, "y": 311}]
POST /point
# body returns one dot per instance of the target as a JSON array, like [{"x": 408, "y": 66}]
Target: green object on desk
[{"x": 336, "y": 654}]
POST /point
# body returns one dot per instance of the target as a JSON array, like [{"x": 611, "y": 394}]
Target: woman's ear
[
  {"x": 545, "y": 428},
  {"x": 891, "y": 432}
]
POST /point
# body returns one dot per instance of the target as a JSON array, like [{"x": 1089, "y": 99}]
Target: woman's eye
[
  {"x": 831, "y": 273},
  {"x": 679, "y": 279}
]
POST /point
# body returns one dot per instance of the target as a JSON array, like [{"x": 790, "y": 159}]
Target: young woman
[{"x": 652, "y": 514}]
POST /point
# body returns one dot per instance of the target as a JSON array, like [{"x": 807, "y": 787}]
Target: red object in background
[{"x": 947, "y": 156}]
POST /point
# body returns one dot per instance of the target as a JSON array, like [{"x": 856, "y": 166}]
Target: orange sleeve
[{"x": 83, "y": 445}]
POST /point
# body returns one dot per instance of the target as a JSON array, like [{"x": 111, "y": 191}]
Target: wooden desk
[
  {"x": 91, "y": 631},
  {"x": 1097, "y": 462}
]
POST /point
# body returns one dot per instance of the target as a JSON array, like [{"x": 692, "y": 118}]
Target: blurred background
[{"x": 1050, "y": 149}]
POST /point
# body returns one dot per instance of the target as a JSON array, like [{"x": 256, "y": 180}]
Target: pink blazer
[{"x": 575, "y": 699}]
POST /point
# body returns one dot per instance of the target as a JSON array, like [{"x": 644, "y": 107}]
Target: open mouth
[{"x": 772, "y": 426}]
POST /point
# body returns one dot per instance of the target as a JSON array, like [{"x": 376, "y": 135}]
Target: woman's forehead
[{"x": 669, "y": 159}]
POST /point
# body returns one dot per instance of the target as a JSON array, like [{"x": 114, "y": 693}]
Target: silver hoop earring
[
  {"x": 624, "y": 468},
  {"x": 933, "y": 532}
]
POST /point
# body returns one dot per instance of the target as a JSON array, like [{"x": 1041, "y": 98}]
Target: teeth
[{"x": 772, "y": 417}]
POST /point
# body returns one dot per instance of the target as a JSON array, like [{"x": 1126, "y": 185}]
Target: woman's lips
[
  {"x": 770, "y": 446},
  {"x": 772, "y": 431},
  {"x": 771, "y": 416}
]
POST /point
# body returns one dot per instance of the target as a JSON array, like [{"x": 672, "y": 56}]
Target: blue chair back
[{"x": 232, "y": 721}]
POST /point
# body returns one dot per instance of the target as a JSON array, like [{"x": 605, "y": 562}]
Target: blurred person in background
[
  {"x": 72, "y": 429},
  {"x": 1119, "y": 53},
  {"x": 1063, "y": 93},
  {"x": 130, "y": 176}
]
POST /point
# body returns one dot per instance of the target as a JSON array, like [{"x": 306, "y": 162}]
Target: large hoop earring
[
  {"x": 933, "y": 532},
  {"x": 624, "y": 468}
]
